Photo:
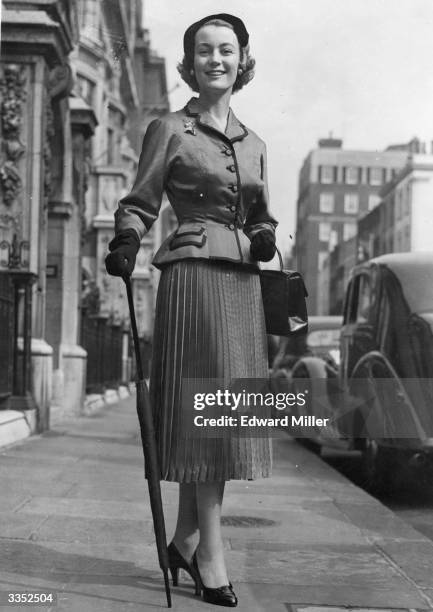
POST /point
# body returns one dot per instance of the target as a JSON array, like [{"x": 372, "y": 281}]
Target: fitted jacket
[{"x": 216, "y": 183}]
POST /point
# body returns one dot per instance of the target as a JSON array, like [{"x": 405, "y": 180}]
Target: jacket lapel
[{"x": 235, "y": 129}]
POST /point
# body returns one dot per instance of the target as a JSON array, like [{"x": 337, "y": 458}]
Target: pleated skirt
[{"x": 209, "y": 324}]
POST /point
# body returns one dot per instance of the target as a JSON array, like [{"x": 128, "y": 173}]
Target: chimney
[{"x": 330, "y": 143}]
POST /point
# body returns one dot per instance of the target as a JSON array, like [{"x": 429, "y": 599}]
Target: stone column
[
  {"x": 36, "y": 40},
  {"x": 67, "y": 224}
]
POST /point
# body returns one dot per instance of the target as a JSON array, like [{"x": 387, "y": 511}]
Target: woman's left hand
[{"x": 263, "y": 245}]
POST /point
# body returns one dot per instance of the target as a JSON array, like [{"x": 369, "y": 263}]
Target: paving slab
[
  {"x": 93, "y": 531},
  {"x": 28, "y": 486},
  {"x": 101, "y": 509},
  {"x": 380, "y": 522},
  {"x": 414, "y": 558},
  {"x": 14, "y": 525}
]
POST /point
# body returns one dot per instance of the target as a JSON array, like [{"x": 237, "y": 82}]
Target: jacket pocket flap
[
  {"x": 191, "y": 234},
  {"x": 190, "y": 230}
]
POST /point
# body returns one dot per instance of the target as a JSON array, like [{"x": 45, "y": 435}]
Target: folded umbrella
[{"x": 145, "y": 418}]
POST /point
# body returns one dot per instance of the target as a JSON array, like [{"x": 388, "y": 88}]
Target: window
[
  {"x": 406, "y": 245},
  {"x": 351, "y": 175},
  {"x": 349, "y": 230},
  {"x": 399, "y": 204},
  {"x": 398, "y": 242},
  {"x": 321, "y": 259},
  {"x": 351, "y": 203},
  {"x": 110, "y": 146},
  {"x": 86, "y": 89},
  {"x": 326, "y": 174},
  {"x": 376, "y": 175},
  {"x": 90, "y": 17},
  {"x": 324, "y": 232},
  {"x": 348, "y": 304},
  {"x": 383, "y": 323},
  {"x": 326, "y": 202},
  {"x": 364, "y": 299},
  {"x": 333, "y": 240},
  {"x": 373, "y": 201}
]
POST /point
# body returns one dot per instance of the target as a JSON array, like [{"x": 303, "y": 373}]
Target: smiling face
[{"x": 216, "y": 58}]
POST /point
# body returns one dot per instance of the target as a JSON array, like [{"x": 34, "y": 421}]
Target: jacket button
[
  {"x": 231, "y": 226},
  {"x": 226, "y": 152},
  {"x": 234, "y": 188},
  {"x": 232, "y": 168},
  {"x": 233, "y": 208}
]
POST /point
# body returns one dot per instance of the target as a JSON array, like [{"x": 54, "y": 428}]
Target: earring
[
  {"x": 191, "y": 72},
  {"x": 240, "y": 71}
]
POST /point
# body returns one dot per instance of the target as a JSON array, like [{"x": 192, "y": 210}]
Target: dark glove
[
  {"x": 123, "y": 251},
  {"x": 263, "y": 245}
]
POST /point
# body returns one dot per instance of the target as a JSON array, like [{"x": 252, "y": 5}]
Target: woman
[{"x": 209, "y": 316}]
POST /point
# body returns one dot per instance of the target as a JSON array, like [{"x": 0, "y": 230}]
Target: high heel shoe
[
  {"x": 221, "y": 596},
  {"x": 176, "y": 562}
]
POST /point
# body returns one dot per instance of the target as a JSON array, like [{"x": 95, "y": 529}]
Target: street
[{"x": 75, "y": 521}]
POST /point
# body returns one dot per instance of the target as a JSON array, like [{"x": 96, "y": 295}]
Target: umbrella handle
[{"x": 127, "y": 280}]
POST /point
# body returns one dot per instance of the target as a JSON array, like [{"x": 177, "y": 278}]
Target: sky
[{"x": 361, "y": 69}]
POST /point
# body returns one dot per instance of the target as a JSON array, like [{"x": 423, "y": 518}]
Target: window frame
[
  {"x": 331, "y": 194},
  {"x": 353, "y": 194},
  {"x": 324, "y": 168},
  {"x": 347, "y": 172}
]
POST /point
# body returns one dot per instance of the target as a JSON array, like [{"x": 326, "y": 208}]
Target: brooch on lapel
[{"x": 189, "y": 126}]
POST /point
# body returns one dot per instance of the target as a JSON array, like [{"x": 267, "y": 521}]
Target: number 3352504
[{"x": 31, "y": 598}]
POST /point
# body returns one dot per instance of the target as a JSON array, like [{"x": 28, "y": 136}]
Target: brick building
[{"x": 336, "y": 187}]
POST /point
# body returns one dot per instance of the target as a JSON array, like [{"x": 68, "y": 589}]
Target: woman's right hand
[{"x": 123, "y": 252}]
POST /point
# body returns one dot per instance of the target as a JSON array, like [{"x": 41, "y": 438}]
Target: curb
[{"x": 16, "y": 426}]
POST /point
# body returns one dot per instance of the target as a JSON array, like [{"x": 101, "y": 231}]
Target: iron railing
[
  {"x": 103, "y": 343},
  {"x": 6, "y": 338}
]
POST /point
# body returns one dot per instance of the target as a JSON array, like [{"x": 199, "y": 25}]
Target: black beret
[{"x": 238, "y": 27}]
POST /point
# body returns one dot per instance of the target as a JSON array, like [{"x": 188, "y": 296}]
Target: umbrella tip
[{"x": 167, "y": 588}]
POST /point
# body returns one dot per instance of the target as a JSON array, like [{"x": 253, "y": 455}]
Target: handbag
[{"x": 284, "y": 305}]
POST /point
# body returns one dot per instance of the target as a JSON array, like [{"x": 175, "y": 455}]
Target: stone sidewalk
[{"x": 75, "y": 519}]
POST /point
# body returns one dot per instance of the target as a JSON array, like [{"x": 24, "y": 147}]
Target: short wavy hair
[{"x": 247, "y": 63}]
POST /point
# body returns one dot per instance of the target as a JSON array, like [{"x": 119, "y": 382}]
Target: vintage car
[
  {"x": 321, "y": 341},
  {"x": 381, "y": 399}
]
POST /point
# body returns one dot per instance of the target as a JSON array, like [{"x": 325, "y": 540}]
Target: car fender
[
  {"x": 319, "y": 403},
  {"x": 402, "y": 421}
]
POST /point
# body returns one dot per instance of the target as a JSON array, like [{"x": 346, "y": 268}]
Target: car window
[
  {"x": 347, "y": 302},
  {"x": 383, "y": 322},
  {"x": 352, "y": 300},
  {"x": 323, "y": 337},
  {"x": 363, "y": 310}
]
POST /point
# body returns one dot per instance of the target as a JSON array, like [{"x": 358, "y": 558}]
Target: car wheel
[{"x": 380, "y": 465}]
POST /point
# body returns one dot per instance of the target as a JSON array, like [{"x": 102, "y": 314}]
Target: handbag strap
[{"x": 280, "y": 258}]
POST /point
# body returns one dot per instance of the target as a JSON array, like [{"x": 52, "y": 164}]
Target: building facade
[
  {"x": 336, "y": 187},
  {"x": 403, "y": 220},
  {"x": 77, "y": 82}
]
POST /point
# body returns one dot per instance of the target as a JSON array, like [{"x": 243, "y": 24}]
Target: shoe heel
[
  {"x": 175, "y": 575},
  {"x": 197, "y": 588}
]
